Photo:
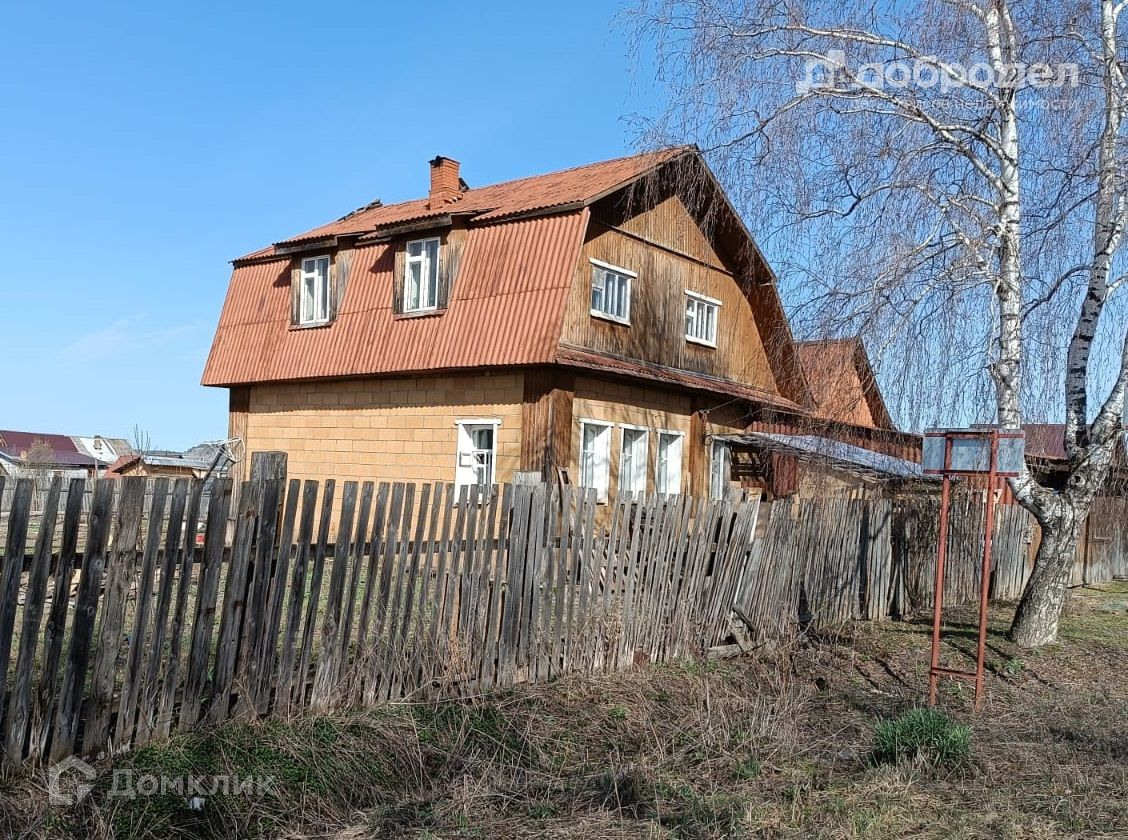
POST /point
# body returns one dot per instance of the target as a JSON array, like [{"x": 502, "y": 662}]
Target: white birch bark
[{"x": 934, "y": 193}]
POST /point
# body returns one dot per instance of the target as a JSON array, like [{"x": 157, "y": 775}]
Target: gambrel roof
[{"x": 517, "y": 266}]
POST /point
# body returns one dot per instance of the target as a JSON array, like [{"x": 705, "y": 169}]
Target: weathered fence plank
[
  {"x": 207, "y": 592},
  {"x": 82, "y": 630},
  {"x": 287, "y": 656},
  {"x": 148, "y": 703},
  {"x": 53, "y": 630},
  {"x": 19, "y": 710},
  {"x": 132, "y": 681}
]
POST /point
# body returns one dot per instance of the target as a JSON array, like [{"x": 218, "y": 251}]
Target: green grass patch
[{"x": 923, "y": 736}]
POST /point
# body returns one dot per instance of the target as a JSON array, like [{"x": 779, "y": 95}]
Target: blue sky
[{"x": 144, "y": 146}]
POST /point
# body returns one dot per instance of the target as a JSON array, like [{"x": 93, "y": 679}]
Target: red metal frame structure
[{"x": 991, "y": 437}]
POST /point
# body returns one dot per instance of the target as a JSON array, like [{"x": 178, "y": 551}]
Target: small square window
[
  {"x": 611, "y": 292},
  {"x": 314, "y": 291},
  {"x": 701, "y": 319},
  {"x": 477, "y": 453},
  {"x": 421, "y": 275}
]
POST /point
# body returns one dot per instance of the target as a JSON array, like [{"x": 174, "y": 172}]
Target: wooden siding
[
  {"x": 669, "y": 224},
  {"x": 842, "y": 382},
  {"x": 546, "y": 421},
  {"x": 671, "y": 256},
  {"x": 239, "y": 406},
  {"x": 623, "y": 403}
]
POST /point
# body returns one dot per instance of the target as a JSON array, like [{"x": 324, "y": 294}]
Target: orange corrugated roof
[
  {"x": 490, "y": 203},
  {"x": 506, "y": 307},
  {"x": 487, "y": 322},
  {"x": 842, "y": 382}
]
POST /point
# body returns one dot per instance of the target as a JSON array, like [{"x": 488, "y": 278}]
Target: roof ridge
[
  {"x": 578, "y": 167},
  {"x": 377, "y": 204},
  {"x": 369, "y": 206}
]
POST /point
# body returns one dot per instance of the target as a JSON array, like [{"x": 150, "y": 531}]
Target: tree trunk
[{"x": 1036, "y": 619}]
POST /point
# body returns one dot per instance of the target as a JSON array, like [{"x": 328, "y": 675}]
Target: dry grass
[{"x": 774, "y": 747}]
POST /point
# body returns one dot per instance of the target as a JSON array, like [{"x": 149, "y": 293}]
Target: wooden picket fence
[
  {"x": 131, "y": 610},
  {"x": 823, "y": 563},
  {"x": 164, "y": 621}
]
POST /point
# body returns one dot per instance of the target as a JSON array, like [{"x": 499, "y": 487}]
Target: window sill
[
  {"x": 712, "y": 345},
  {"x": 417, "y": 313},
  {"x": 312, "y": 325},
  {"x": 603, "y": 316}
]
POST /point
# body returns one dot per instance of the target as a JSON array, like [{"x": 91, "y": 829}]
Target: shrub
[{"x": 925, "y": 736}]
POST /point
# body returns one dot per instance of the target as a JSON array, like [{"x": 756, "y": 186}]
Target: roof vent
[{"x": 446, "y": 186}]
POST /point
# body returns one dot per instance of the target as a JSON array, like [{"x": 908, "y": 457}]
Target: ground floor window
[
  {"x": 667, "y": 476},
  {"x": 595, "y": 456},
  {"x": 632, "y": 460},
  {"x": 477, "y": 453},
  {"x": 720, "y": 469}
]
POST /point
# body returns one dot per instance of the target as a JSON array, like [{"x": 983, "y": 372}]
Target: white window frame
[
  {"x": 671, "y": 476},
  {"x": 320, "y": 303},
  {"x": 427, "y": 271},
  {"x": 638, "y": 473},
  {"x": 702, "y": 303},
  {"x": 600, "y": 269},
  {"x": 463, "y": 428},
  {"x": 720, "y": 470},
  {"x": 600, "y": 478}
]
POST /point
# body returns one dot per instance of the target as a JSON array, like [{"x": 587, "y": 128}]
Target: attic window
[
  {"x": 421, "y": 276},
  {"x": 611, "y": 292},
  {"x": 314, "y": 306},
  {"x": 701, "y": 319}
]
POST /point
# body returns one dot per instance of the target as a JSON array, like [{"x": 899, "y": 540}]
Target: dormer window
[
  {"x": 611, "y": 292},
  {"x": 421, "y": 275},
  {"x": 314, "y": 307}
]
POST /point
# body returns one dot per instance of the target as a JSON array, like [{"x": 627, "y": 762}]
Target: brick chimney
[{"x": 444, "y": 182}]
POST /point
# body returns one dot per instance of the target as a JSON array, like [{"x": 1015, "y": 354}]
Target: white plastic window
[
  {"x": 314, "y": 291},
  {"x": 421, "y": 276},
  {"x": 595, "y": 457}
]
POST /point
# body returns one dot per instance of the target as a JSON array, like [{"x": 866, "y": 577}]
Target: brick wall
[
  {"x": 400, "y": 429},
  {"x": 403, "y": 429}
]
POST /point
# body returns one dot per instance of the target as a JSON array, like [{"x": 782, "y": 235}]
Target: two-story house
[{"x": 611, "y": 321}]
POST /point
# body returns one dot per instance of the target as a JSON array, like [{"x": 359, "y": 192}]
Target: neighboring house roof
[
  {"x": 63, "y": 452},
  {"x": 125, "y": 460},
  {"x": 842, "y": 382},
  {"x": 110, "y": 449},
  {"x": 199, "y": 459},
  {"x": 834, "y": 453},
  {"x": 507, "y": 306},
  {"x": 9, "y": 466},
  {"x": 1047, "y": 441}
]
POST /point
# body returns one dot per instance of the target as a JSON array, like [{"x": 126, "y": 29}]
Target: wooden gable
[{"x": 649, "y": 229}]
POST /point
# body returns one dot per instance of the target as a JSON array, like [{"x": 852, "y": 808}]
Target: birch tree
[{"x": 947, "y": 177}]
